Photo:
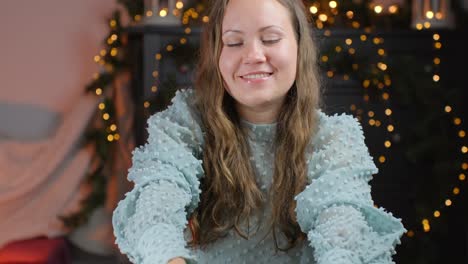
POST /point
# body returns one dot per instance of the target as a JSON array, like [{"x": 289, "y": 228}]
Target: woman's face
[{"x": 258, "y": 58}]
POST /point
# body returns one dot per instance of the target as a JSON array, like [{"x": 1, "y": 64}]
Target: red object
[{"x": 36, "y": 251}]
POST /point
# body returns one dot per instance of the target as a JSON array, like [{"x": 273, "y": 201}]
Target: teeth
[{"x": 256, "y": 76}]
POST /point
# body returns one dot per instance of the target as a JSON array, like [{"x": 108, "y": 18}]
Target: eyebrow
[{"x": 261, "y": 29}]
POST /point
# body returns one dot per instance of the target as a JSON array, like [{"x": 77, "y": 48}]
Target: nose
[{"x": 254, "y": 53}]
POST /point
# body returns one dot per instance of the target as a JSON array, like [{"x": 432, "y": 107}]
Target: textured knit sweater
[{"x": 335, "y": 210}]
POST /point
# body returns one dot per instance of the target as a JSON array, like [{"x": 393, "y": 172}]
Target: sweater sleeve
[
  {"x": 336, "y": 209},
  {"x": 149, "y": 222}
]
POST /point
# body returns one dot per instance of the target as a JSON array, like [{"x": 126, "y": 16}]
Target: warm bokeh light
[
  {"x": 393, "y": 9},
  {"x": 462, "y": 133},
  {"x": 387, "y": 144},
  {"x": 382, "y": 66},
  {"x": 323, "y": 17},
  {"x": 313, "y": 9},
  {"x": 448, "y": 202},
  {"x": 464, "y": 149},
  {"x": 426, "y": 226},
  {"x": 378, "y": 9},
  {"x": 114, "y": 52},
  {"x": 429, "y": 14},
  {"x": 462, "y": 177},
  {"x": 366, "y": 83},
  {"x": 382, "y": 159}
]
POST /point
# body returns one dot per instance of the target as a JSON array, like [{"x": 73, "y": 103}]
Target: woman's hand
[{"x": 177, "y": 261}]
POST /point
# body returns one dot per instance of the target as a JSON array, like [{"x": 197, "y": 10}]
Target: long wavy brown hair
[{"x": 230, "y": 194}]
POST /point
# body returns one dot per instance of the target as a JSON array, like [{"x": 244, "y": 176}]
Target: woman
[{"x": 246, "y": 168}]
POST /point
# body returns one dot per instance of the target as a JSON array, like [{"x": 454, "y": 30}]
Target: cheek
[
  {"x": 286, "y": 60},
  {"x": 225, "y": 65}
]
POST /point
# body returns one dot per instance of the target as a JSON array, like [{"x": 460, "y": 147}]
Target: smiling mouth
[{"x": 255, "y": 76}]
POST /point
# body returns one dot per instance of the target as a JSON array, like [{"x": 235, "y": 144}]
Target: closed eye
[
  {"x": 234, "y": 44},
  {"x": 270, "y": 41}
]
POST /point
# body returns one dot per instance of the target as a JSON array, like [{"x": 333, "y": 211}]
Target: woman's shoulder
[
  {"x": 181, "y": 109},
  {"x": 331, "y": 127},
  {"x": 339, "y": 142},
  {"x": 180, "y": 120},
  {"x": 184, "y": 99}
]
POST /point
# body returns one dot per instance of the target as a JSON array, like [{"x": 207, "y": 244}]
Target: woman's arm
[
  {"x": 336, "y": 210},
  {"x": 149, "y": 221}
]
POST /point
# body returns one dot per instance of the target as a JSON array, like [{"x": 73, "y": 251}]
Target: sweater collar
[{"x": 260, "y": 132}]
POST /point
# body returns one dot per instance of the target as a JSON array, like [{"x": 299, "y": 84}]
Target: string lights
[
  {"x": 324, "y": 17},
  {"x": 377, "y": 79},
  {"x": 460, "y": 176},
  {"x": 106, "y": 131}
]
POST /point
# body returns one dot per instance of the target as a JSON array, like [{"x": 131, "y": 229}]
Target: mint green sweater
[{"x": 335, "y": 210}]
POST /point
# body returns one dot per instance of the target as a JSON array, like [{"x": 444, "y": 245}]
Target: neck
[{"x": 266, "y": 115}]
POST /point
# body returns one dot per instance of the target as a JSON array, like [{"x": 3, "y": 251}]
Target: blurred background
[{"x": 80, "y": 78}]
